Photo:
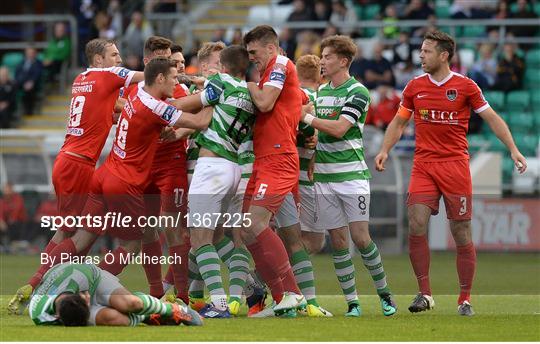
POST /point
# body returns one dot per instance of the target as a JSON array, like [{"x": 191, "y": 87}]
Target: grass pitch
[{"x": 506, "y": 300}]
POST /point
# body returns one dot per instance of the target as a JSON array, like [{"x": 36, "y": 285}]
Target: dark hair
[
  {"x": 95, "y": 47},
  {"x": 176, "y": 48},
  {"x": 343, "y": 46},
  {"x": 156, "y": 66},
  {"x": 73, "y": 310},
  {"x": 236, "y": 59},
  {"x": 445, "y": 42},
  {"x": 263, "y": 33},
  {"x": 154, "y": 43}
]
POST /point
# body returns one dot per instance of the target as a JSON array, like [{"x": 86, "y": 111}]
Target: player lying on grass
[{"x": 83, "y": 294}]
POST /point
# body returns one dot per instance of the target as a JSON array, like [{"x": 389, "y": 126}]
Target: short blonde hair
[
  {"x": 309, "y": 67},
  {"x": 208, "y": 48},
  {"x": 343, "y": 46}
]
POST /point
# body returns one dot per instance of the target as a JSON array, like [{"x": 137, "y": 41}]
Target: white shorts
[
  {"x": 287, "y": 215},
  {"x": 290, "y": 213},
  {"x": 102, "y": 296},
  {"x": 339, "y": 204},
  {"x": 213, "y": 185},
  {"x": 235, "y": 206}
]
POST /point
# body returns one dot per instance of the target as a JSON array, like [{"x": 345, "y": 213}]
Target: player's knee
[
  {"x": 111, "y": 317},
  {"x": 131, "y": 303},
  {"x": 417, "y": 225},
  {"x": 461, "y": 231}
]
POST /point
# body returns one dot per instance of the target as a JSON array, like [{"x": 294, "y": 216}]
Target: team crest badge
[{"x": 451, "y": 94}]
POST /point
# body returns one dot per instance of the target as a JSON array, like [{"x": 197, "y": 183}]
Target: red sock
[
  {"x": 50, "y": 246},
  {"x": 419, "y": 255},
  {"x": 113, "y": 263},
  {"x": 153, "y": 271},
  {"x": 466, "y": 265},
  {"x": 267, "y": 273},
  {"x": 274, "y": 251},
  {"x": 180, "y": 271},
  {"x": 66, "y": 246},
  {"x": 289, "y": 282}
]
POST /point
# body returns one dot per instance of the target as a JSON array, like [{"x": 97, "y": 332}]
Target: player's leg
[
  {"x": 355, "y": 198},
  {"x": 313, "y": 241},
  {"x": 422, "y": 202},
  {"x": 312, "y": 237},
  {"x": 457, "y": 195},
  {"x": 179, "y": 246},
  {"x": 107, "y": 316}
]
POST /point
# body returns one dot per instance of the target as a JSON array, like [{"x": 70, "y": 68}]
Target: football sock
[
  {"x": 266, "y": 272},
  {"x": 50, "y": 246},
  {"x": 196, "y": 286},
  {"x": 274, "y": 251},
  {"x": 168, "y": 280},
  {"x": 420, "y": 257},
  {"x": 151, "y": 305},
  {"x": 225, "y": 250},
  {"x": 180, "y": 272},
  {"x": 115, "y": 265},
  {"x": 238, "y": 272},
  {"x": 373, "y": 262},
  {"x": 135, "y": 319},
  {"x": 466, "y": 265},
  {"x": 345, "y": 274},
  {"x": 66, "y": 246},
  {"x": 303, "y": 273},
  {"x": 153, "y": 271},
  {"x": 210, "y": 270}
]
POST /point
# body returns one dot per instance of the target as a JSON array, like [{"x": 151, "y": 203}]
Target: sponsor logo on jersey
[
  {"x": 277, "y": 76},
  {"x": 439, "y": 116},
  {"x": 118, "y": 151},
  {"x": 75, "y": 131},
  {"x": 168, "y": 113},
  {"x": 451, "y": 94},
  {"x": 123, "y": 73}
]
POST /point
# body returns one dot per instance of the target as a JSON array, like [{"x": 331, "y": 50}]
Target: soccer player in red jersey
[
  {"x": 440, "y": 101},
  {"x": 278, "y": 98},
  {"x": 118, "y": 185},
  {"x": 94, "y": 94}
]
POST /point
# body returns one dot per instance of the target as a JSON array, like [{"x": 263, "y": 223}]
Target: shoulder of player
[
  {"x": 113, "y": 70},
  {"x": 227, "y": 78},
  {"x": 156, "y": 106}
]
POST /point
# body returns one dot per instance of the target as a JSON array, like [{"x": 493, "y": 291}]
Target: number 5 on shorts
[
  {"x": 261, "y": 191},
  {"x": 463, "y": 209}
]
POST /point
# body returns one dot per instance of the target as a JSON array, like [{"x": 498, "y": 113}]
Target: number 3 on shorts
[{"x": 261, "y": 191}]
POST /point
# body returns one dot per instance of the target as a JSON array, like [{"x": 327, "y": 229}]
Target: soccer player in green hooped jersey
[
  {"x": 297, "y": 226},
  {"x": 340, "y": 173},
  {"x": 83, "y": 294},
  {"x": 216, "y": 177}
]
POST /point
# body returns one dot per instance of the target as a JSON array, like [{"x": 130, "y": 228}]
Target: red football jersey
[
  {"x": 275, "y": 131},
  {"x": 441, "y": 114},
  {"x": 94, "y": 93},
  {"x": 137, "y": 132},
  {"x": 177, "y": 149}
]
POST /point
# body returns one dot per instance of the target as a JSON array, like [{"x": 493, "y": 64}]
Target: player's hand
[
  {"x": 380, "y": 159},
  {"x": 308, "y": 108},
  {"x": 311, "y": 142},
  {"x": 168, "y": 134},
  {"x": 519, "y": 161},
  {"x": 198, "y": 81}
]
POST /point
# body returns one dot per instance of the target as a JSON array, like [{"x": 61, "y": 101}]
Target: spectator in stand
[
  {"x": 418, "y": 10},
  {"x": 308, "y": 44},
  {"x": 287, "y": 42},
  {"x": 114, "y": 10},
  {"x": 102, "y": 26},
  {"x": 300, "y": 13},
  {"x": 219, "y": 36},
  {"x": 384, "y": 105},
  {"x": 341, "y": 14},
  {"x": 404, "y": 72},
  {"x": 133, "y": 62},
  {"x": 510, "y": 70},
  {"x": 28, "y": 77},
  {"x": 237, "y": 37},
  {"x": 321, "y": 13},
  {"x": 457, "y": 66},
  {"x": 359, "y": 65},
  {"x": 13, "y": 213},
  {"x": 330, "y": 30},
  {"x": 390, "y": 30},
  {"x": 379, "y": 70},
  {"x": 57, "y": 52},
  {"x": 403, "y": 49},
  {"x": 523, "y": 12},
  {"x": 467, "y": 9},
  {"x": 502, "y": 10},
  {"x": 47, "y": 207},
  {"x": 8, "y": 100},
  {"x": 137, "y": 32},
  {"x": 484, "y": 70}
]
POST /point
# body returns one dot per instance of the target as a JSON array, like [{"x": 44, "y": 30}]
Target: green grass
[{"x": 506, "y": 299}]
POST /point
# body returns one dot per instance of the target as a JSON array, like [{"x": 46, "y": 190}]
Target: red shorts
[
  {"x": 71, "y": 178},
  {"x": 110, "y": 195},
  {"x": 273, "y": 177},
  {"x": 167, "y": 189},
  {"x": 451, "y": 179}
]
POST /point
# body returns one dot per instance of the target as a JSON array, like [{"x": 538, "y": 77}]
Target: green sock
[
  {"x": 303, "y": 273},
  {"x": 373, "y": 262},
  {"x": 238, "y": 272},
  {"x": 225, "y": 249},
  {"x": 210, "y": 270},
  {"x": 135, "y": 319},
  {"x": 151, "y": 305},
  {"x": 196, "y": 285},
  {"x": 345, "y": 274}
]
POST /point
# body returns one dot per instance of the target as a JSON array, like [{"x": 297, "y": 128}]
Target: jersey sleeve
[
  {"x": 476, "y": 98},
  {"x": 406, "y": 106},
  {"x": 279, "y": 73},
  {"x": 119, "y": 76},
  {"x": 355, "y": 108},
  {"x": 41, "y": 310},
  {"x": 213, "y": 88},
  {"x": 166, "y": 114}
]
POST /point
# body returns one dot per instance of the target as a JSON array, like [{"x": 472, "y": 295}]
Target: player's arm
[
  {"x": 265, "y": 98},
  {"x": 392, "y": 135},
  {"x": 170, "y": 134},
  {"x": 117, "y": 110},
  {"x": 198, "y": 121},
  {"x": 209, "y": 96},
  {"x": 137, "y": 77},
  {"x": 334, "y": 128},
  {"x": 499, "y": 127}
]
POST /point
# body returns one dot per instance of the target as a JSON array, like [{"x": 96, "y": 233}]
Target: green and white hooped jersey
[
  {"x": 232, "y": 120},
  {"x": 192, "y": 152},
  {"x": 246, "y": 157},
  {"x": 342, "y": 159},
  {"x": 62, "y": 278},
  {"x": 304, "y": 153}
]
